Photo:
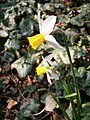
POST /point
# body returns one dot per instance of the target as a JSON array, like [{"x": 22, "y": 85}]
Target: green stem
[
  {"x": 75, "y": 82},
  {"x": 69, "y": 91},
  {"x": 60, "y": 106}
]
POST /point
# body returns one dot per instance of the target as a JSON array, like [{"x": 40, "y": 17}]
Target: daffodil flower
[
  {"x": 45, "y": 68},
  {"x": 45, "y": 28},
  {"x": 42, "y": 69}
]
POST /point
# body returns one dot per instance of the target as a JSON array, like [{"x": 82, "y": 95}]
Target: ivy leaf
[
  {"x": 9, "y": 56},
  {"x": 88, "y": 78},
  {"x": 72, "y": 35},
  {"x": 31, "y": 88},
  {"x": 6, "y": 22},
  {"x": 77, "y": 20},
  {"x": 85, "y": 112},
  {"x": 82, "y": 71},
  {"x": 1, "y": 15},
  {"x": 64, "y": 18},
  {"x": 15, "y": 44},
  {"x": 20, "y": 116},
  {"x": 1, "y": 84},
  {"x": 3, "y": 33},
  {"x": 26, "y": 26},
  {"x": 49, "y": 7},
  {"x": 23, "y": 65},
  {"x": 30, "y": 107},
  {"x": 88, "y": 83}
]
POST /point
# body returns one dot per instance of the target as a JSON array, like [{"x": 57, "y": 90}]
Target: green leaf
[
  {"x": 43, "y": 97},
  {"x": 3, "y": 33},
  {"x": 60, "y": 106},
  {"x": 49, "y": 7},
  {"x": 6, "y": 22},
  {"x": 23, "y": 65},
  {"x": 39, "y": 77},
  {"x": 68, "y": 96},
  {"x": 1, "y": 84},
  {"x": 1, "y": 15},
  {"x": 58, "y": 86},
  {"x": 88, "y": 78},
  {"x": 85, "y": 112},
  {"x": 26, "y": 26},
  {"x": 31, "y": 88},
  {"x": 64, "y": 18},
  {"x": 20, "y": 116},
  {"x": 72, "y": 35},
  {"x": 82, "y": 71},
  {"x": 88, "y": 91},
  {"x": 9, "y": 56},
  {"x": 15, "y": 44},
  {"x": 77, "y": 20},
  {"x": 30, "y": 107},
  {"x": 42, "y": 89}
]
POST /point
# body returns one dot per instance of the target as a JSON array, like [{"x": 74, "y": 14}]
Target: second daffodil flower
[
  {"x": 45, "y": 68},
  {"x": 45, "y": 28}
]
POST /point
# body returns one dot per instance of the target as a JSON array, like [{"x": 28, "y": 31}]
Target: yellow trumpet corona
[
  {"x": 41, "y": 70},
  {"x": 36, "y": 40}
]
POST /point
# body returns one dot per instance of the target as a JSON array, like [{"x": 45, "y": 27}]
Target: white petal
[
  {"x": 40, "y": 25},
  {"x": 45, "y": 62},
  {"x": 55, "y": 76},
  {"x": 39, "y": 14},
  {"x": 40, "y": 20},
  {"x": 52, "y": 41},
  {"x": 49, "y": 57},
  {"x": 48, "y": 25},
  {"x": 48, "y": 78}
]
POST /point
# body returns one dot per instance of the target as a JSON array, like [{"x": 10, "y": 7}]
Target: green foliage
[
  {"x": 26, "y": 26},
  {"x": 1, "y": 84},
  {"x": 84, "y": 79},
  {"x": 29, "y": 107},
  {"x": 31, "y": 88},
  {"x": 3, "y": 33},
  {"x": 85, "y": 113},
  {"x": 18, "y": 20},
  {"x": 23, "y": 65}
]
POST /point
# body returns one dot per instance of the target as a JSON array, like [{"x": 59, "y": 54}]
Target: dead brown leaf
[
  {"x": 50, "y": 103},
  {"x": 11, "y": 103}
]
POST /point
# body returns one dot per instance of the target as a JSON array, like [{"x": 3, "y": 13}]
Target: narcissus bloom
[
  {"x": 45, "y": 68},
  {"x": 42, "y": 69},
  {"x": 45, "y": 28}
]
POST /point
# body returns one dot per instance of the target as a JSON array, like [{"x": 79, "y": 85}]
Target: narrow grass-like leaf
[
  {"x": 68, "y": 96},
  {"x": 61, "y": 107}
]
